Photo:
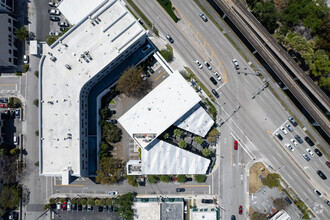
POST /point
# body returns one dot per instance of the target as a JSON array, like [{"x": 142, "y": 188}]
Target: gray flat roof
[{"x": 115, "y": 31}]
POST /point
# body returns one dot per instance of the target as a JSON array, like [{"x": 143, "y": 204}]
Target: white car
[
  {"x": 289, "y": 127},
  {"x": 283, "y": 130},
  {"x": 318, "y": 193},
  {"x": 310, "y": 152},
  {"x": 113, "y": 193},
  {"x": 217, "y": 76},
  {"x": 200, "y": 66},
  {"x": 289, "y": 147},
  {"x": 236, "y": 64},
  {"x": 26, "y": 59},
  {"x": 54, "y": 12},
  {"x": 294, "y": 142},
  {"x": 208, "y": 65}
]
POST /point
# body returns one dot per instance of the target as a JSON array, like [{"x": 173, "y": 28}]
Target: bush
[
  {"x": 26, "y": 67},
  {"x": 206, "y": 152},
  {"x": 167, "y": 53},
  {"x": 200, "y": 178},
  {"x": 91, "y": 202},
  {"x": 18, "y": 73},
  {"x": 166, "y": 136},
  {"x": 177, "y": 132},
  {"x": 165, "y": 178},
  {"x": 167, "y": 5},
  {"x": 272, "y": 180},
  {"x": 182, "y": 178},
  {"x": 36, "y": 102},
  {"x": 36, "y": 132},
  {"x": 132, "y": 180},
  {"x": 182, "y": 144},
  {"x": 152, "y": 179},
  {"x": 36, "y": 164},
  {"x": 213, "y": 135},
  {"x": 51, "y": 39},
  {"x": 14, "y": 151}
]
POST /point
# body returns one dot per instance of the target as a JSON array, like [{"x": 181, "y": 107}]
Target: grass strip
[
  {"x": 167, "y": 5},
  {"x": 212, "y": 110},
  {"x": 237, "y": 48},
  {"x": 208, "y": 15},
  {"x": 208, "y": 93}
]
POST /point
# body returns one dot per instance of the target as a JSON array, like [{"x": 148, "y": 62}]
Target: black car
[
  {"x": 3, "y": 100},
  {"x": 147, "y": 74},
  {"x": 79, "y": 207},
  {"x": 215, "y": 93},
  {"x": 100, "y": 208},
  {"x": 209, "y": 201},
  {"x": 293, "y": 122},
  {"x": 213, "y": 80},
  {"x": 180, "y": 190},
  {"x": 309, "y": 141},
  {"x": 327, "y": 202},
  {"x": 150, "y": 69},
  {"x": 233, "y": 217},
  {"x": 74, "y": 206},
  {"x": 12, "y": 114},
  {"x": 318, "y": 152},
  {"x": 54, "y": 18},
  {"x": 298, "y": 138},
  {"x": 169, "y": 38},
  {"x": 279, "y": 136},
  {"x": 112, "y": 112},
  {"x": 188, "y": 179},
  {"x": 288, "y": 200},
  {"x": 321, "y": 174},
  {"x": 205, "y": 144}
]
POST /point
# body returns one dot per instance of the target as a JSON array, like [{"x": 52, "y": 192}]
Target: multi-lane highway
[{"x": 251, "y": 122}]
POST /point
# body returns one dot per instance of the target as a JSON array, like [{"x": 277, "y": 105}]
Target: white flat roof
[
  {"x": 196, "y": 121},
  {"x": 75, "y": 10},
  {"x": 203, "y": 215},
  {"x": 164, "y": 158},
  {"x": 161, "y": 107},
  {"x": 116, "y": 30}
]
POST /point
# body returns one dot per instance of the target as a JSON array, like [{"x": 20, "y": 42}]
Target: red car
[
  {"x": 64, "y": 206},
  {"x": 240, "y": 210},
  {"x": 174, "y": 178},
  {"x": 3, "y": 105},
  {"x": 235, "y": 145},
  {"x": 327, "y": 163}
]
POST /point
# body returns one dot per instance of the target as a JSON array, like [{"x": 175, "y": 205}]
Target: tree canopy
[
  {"x": 109, "y": 172},
  {"x": 111, "y": 133},
  {"x": 9, "y": 198},
  {"x": 125, "y": 206},
  {"x": 200, "y": 178},
  {"x": 21, "y": 33},
  {"x": 182, "y": 144}
]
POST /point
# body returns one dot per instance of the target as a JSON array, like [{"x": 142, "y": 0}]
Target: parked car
[
  {"x": 215, "y": 93},
  {"x": 293, "y": 122},
  {"x": 26, "y": 59},
  {"x": 58, "y": 205},
  {"x": 180, "y": 189},
  {"x": 318, "y": 193},
  {"x": 217, "y": 76},
  {"x": 327, "y": 163},
  {"x": 63, "y": 24},
  {"x": 112, "y": 121},
  {"x": 306, "y": 157},
  {"x": 203, "y": 17},
  {"x": 169, "y": 38},
  {"x": 90, "y": 207},
  {"x": 63, "y": 28},
  {"x": 54, "y": 12},
  {"x": 100, "y": 208},
  {"x": 200, "y": 66},
  {"x": 54, "y": 18},
  {"x": 279, "y": 136},
  {"x": 283, "y": 130},
  {"x": 150, "y": 69},
  {"x": 3, "y": 106},
  {"x": 240, "y": 210},
  {"x": 235, "y": 145},
  {"x": 146, "y": 48},
  {"x": 309, "y": 141},
  {"x": 64, "y": 205},
  {"x": 298, "y": 138},
  {"x": 17, "y": 113},
  {"x": 79, "y": 207},
  {"x": 327, "y": 202},
  {"x": 208, "y": 65},
  {"x": 294, "y": 142},
  {"x": 289, "y": 147},
  {"x": 105, "y": 208},
  {"x": 321, "y": 174},
  {"x": 51, "y": 4},
  {"x": 318, "y": 152},
  {"x": 236, "y": 64},
  {"x": 289, "y": 127},
  {"x": 213, "y": 80},
  {"x": 16, "y": 140}
]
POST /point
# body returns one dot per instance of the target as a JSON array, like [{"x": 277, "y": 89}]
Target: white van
[{"x": 15, "y": 140}]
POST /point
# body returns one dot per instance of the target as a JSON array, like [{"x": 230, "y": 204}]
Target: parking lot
[
  {"x": 84, "y": 214},
  {"x": 56, "y": 18},
  {"x": 12, "y": 126}
]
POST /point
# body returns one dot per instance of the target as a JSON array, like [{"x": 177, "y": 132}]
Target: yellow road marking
[
  {"x": 68, "y": 185},
  {"x": 160, "y": 75},
  {"x": 204, "y": 43},
  {"x": 194, "y": 185}
]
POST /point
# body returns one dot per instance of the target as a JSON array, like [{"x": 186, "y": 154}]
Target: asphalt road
[
  {"x": 255, "y": 116},
  {"x": 42, "y": 19}
]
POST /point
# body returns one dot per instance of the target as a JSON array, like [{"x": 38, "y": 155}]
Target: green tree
[
  {"x": 111, "y": 133},
  {"x": 206, "y": 152},
  {"x": 9, "y": 198},
  {"x": 15, "y": 151},
  {"x": 198, "y": 140},
  {"x": 104, "y": 150},
  {"x": 164, "y": 178},
  {"x": 104, "y": 113},
  {"x": 131, "y": 83},
  {"x": 182, "y": 178},
  {"x": 62, "y": 200},
  {"x": 166, "y": 54},
  {"x": 102, "y": 202},
  {"x": 36, "y": 102},
  {"x": 83, "y": 202},
  {"x": 152, "y": 179},
  {"x": 213, "y": 135},
  {"x": 321, "y": 64},
  {"x": 166, "y": 136},
  {"x": 324, "y": 83},
  {"x": 90, "y": 202},
  {"x": 109, "y": 172},
  {"x": 266, "y": 14},
  {"x": 177, "y": 132},
  {"x": 21, "y": 33},
  {"x": 108, "y": 201},
  {"x": 182, "y": 144},
  {"x": 52, "y": 201},
  {"x": 97, "y": 202},
  {"x": 47, "y": 206},
  {"x": 125, "y": 202},
  {"x": 200, "y": 178},
  {"x": 131, "y": 179}
]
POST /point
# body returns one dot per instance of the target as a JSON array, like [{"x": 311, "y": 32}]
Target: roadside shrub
[
  {"x": 200, "y": 178},
  {"x": 272, "y": 180},
  {"x": 152, "y": 179}
]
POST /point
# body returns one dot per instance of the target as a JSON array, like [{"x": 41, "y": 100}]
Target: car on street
[
  {"x": 298, "y": 138},
  {"x": 279, "y": 136},
  {"x": 63, "y": 24},
  {"x": 217, "y": 76},
  {"x": 327, "y": 163},
  {"x": 233, "y": 217},
  {"x": 309, "y": 141},
  {"x": 54, "y": 18},
  {"x": 180, "y": 189},
  {"x": 17, "y": 111},
  {"x": 240, "y": 210},
  {"x": 213, "y": 80},
  {"x": 200, "y": 66},
  {"x": 327, "y": 202},
  {"x": 318, "y": 152},
  {"x": 283, "y": 130},
  {"x": 289, "y": 146},
  {"x": 54, "y": 12},
  {"x": 169, "y": 38},
  {"x": 310, "y": 152},
  {"x": 321, "y": 174},
  {"x": 113, "y": 193},
  {"x": 26, "y": 59},
  {"x": 294, "y": 142},
  {"x": 318, "y": 193},
  {"x": 293, "y": 122},
  {"x": 235, "y": 145},
  {"x": 289, "y": 127},
  {"x": 16, "y": 140},
  {"x": 306, "y": 157},
  {"x": 203, "y": 17},
  {"x": 208, "y": 65},
  {"x": 236, "y": 64},
  {"x": 215, "y": 93}
]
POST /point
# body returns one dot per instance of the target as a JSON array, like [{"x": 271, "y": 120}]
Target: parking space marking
[{"x": 160, "y": 75}]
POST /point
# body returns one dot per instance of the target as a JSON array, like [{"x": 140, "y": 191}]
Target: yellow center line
[
  {"x": 194, "y": 185},
  {"x": 160, "y": 75}
]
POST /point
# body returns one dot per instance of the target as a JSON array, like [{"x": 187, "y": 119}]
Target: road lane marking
[
  {"x": 68, "y": 185},
  {"x": 194, "y": 185},
  {"x": 160, "y": 75}
]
